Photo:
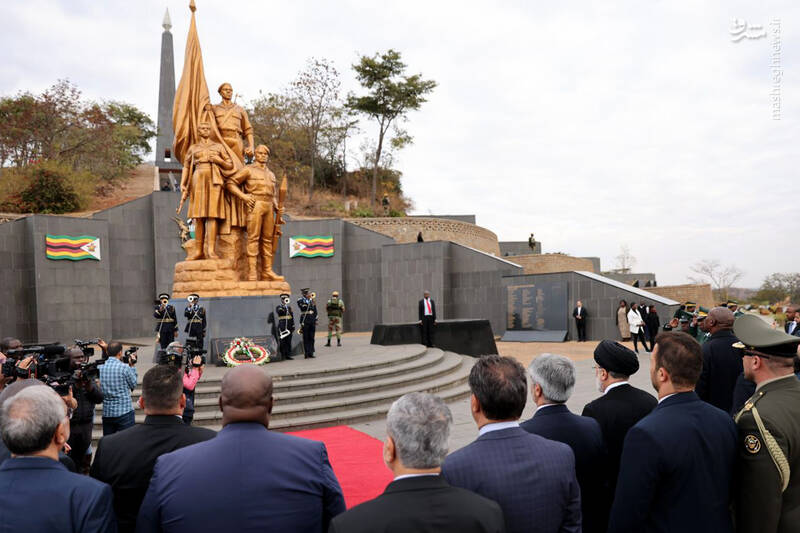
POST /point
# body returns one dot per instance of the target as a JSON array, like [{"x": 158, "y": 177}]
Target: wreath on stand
[{"x": 243, "y": 351}]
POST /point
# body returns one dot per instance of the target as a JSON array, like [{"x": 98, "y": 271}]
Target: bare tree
[
  {"x": 316, "y": 89},
  {"x": 625, "y": 261},
  {"x": 721, "y": 277}
]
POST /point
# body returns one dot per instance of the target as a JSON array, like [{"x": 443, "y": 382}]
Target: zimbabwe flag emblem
[
  {"x": 311, "y": 246},
  {"x": 72, "y": 248}
]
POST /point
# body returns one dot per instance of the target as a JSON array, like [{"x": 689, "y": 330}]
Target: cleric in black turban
[{"x": 616, "y": 358}]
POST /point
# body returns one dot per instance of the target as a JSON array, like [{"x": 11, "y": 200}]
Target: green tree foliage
[
  {"x": 46, "y": 187},
  {"x": 99, "y": 142},
  {"x": 778, "y": 287},
  {"x": 391, "y": 95}
]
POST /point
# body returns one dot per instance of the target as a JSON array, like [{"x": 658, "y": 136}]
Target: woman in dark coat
[{"x": 653, "y": 324}]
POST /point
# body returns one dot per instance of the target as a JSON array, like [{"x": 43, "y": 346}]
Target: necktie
[{"x": 428, "y": 304}]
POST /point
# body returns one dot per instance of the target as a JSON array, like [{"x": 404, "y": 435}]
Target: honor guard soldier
[
  {"x": 335, "y": 309},
  {"x": 196, "y": 325},
  {"x": 768, "y": 467},
  {"x": 285, "y": 326},
  {"x": 308, "y": 321},
  {"x": 166, "y": 321},
  {"x": 733, "y": 305}
]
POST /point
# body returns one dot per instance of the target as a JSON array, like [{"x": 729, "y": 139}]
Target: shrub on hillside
[{"x": 45, "y": 187}]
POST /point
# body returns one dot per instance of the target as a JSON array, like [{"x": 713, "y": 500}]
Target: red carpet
[{"x": 357, "y": 461}]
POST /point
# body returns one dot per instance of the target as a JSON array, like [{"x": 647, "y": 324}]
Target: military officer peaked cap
[
  {"x": 193, "y": 295},
  {"x": 335, "y": 293},
  {"x": 285, "y": 294},
  {"x": 757, "y": 337},
  {"x": 163, "y": 295},
  {"x": 305, "y": 290}
]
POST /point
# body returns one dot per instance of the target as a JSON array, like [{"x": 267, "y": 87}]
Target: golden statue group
[{"x": 226, "y": 196}]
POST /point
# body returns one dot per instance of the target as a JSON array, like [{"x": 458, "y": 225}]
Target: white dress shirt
[
  {"x": 497, "y": 426},
  {"x": 617, "y": 384}
]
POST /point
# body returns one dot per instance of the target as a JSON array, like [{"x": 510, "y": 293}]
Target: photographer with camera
[
  {"x": 118, "y": 378},
  {"x": 87, "y": 393},
  {"x": 6, "y": 345},
  {"x": 191, "y": 375}
]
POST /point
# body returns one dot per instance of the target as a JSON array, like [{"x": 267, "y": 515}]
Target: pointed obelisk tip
[
  {"x": 192, "y": 6},
  {"x": 167, "y": 24}
]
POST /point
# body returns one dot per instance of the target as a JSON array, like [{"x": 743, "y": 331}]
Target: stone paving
[{"x": 464, "y": 430}]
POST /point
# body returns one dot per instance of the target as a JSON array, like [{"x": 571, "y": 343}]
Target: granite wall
[
  {"x": 600, "y": 296},
  {"x": 408, "y": 270},
  {"x": 362, "y": 284},
  {"x": 17, "y": 278},
  {"x": 73, "y": 298}
]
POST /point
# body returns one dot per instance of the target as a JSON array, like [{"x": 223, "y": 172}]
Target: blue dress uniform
[
  {"x": 166, "y": 321},
  {"x": 768, "y": 468},
  {"x": 308, "y": 321},
  {"x": 196, "y": 320},
  {"x": 285, "y": 325}
]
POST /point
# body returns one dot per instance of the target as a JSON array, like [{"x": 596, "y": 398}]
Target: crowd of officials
[{"x": 632, "y": 462}]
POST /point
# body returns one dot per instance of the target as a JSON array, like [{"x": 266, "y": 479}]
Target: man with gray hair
[
  {"x": 552, "y": 382},
  {"x": 39, "y": 494},
  {"x": 419, "y": 498}
]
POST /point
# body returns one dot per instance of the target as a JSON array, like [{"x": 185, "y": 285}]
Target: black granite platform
[{"x": 466, "y": 337}]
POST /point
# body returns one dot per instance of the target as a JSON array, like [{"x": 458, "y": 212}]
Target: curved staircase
[{"x": 338, "y": 387}]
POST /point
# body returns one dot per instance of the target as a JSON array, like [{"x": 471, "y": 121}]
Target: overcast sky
[{"x": 593, "y": 125}]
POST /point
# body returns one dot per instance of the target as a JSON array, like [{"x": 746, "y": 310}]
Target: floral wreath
[{"x": 243, "y": 351}]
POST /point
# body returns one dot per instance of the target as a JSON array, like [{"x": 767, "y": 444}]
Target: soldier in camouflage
[{"x": 335, "y": 309}]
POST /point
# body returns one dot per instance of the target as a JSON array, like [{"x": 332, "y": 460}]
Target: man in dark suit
[
  {"x": 620, "y": 407},
  {"x": 419, "y": 499},
  {"x": 791, "y": 326},
  {"x": 722, "y": 364},
  {"x": 39, "y": 494},
  {"x": 260, "y": 479},
  {"x": 532, "y": 478},
  {"x": 427, "y": 318},
  {"x": 677, "y": 463},
  {"x": 552, "y": 382},
  {"x": 579, "y": 314},
  {"x": 125, "y": 460}
]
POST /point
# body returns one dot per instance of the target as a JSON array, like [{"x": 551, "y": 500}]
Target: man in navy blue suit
[
  {"x": 532, "y": 478},
  {"x": 677, "y": 462},
  {"x": 552, "y": 382},
  {"x": 247, "y": 478},
  {"x": 39, "y": 494}
]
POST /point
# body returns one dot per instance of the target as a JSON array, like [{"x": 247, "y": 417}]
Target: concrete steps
[{"x": 342, "y": 391}]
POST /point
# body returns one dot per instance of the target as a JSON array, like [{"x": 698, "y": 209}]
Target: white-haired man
[
  {"x": 39, "y": 494},
  {"x": 419, "y": 498},
  {"x": 552, "y": 382}
]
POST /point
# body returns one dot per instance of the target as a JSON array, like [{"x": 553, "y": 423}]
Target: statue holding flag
[{"x": 225, "y": 196}]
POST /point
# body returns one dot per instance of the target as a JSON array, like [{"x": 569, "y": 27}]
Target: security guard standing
[
  {"x": 196, "y": 325},
  {"x": 768, "y": 467},
  {"x": 166, "y": 321},
  {"x": 335, "y": 310},
  {"x": 308, "y": 321},
  {"x": 285, "y": 326}
]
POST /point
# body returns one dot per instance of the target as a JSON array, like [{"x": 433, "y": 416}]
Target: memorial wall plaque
[{"x": 542, "y": 306}]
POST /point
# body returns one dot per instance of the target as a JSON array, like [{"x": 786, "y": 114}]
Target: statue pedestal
[{"x": 218, "y": 278}]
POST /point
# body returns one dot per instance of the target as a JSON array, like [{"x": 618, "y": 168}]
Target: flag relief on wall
[
  {"x": 72, "y": 248},
  {"x": 311, "y": 246}
]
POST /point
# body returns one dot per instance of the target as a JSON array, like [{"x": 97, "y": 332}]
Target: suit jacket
[
  {"x": 125, "y": 460},
  {"x": 617, "y": 411},
  {"x": 532, "y": 478},
  {"x": 584, "y": 436},
  {"x": 652, "y": 322},
  {"x": 422, "y": 308},
  {"x": 247, "y": 478},
  {"x": 584, "y": 314},
  {"x": 722, "y": 364},
  {"x": 795, "y": 331},
  {"x": 677, "y": 470},
  {"x": 40, "y": 494},
  {"x": 422, "y": 504}
]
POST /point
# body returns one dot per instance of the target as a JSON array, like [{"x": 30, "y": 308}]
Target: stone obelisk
[{"x": 169, "y": 170}]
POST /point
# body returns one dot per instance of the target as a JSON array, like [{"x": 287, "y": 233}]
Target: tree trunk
[
  {"x": 311, "y": 177},
  {"x": 344, "y": 168},
  {"x": 375, "y": 172}
]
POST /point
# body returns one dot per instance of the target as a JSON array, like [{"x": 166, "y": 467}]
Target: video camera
[
  {"x": 47, "y": 363},
  {"x": 178, "y": 356},
  {"x": 193, "y": 349},
  {"x": 126, "y": 356}
]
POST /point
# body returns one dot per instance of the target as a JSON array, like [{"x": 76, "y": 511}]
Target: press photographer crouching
[
  {"x": 87, "y": 393},
  {"x": 118, "y": 378}
]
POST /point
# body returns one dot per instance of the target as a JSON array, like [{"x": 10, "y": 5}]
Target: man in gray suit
[{"x": 532, "y": 478}]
